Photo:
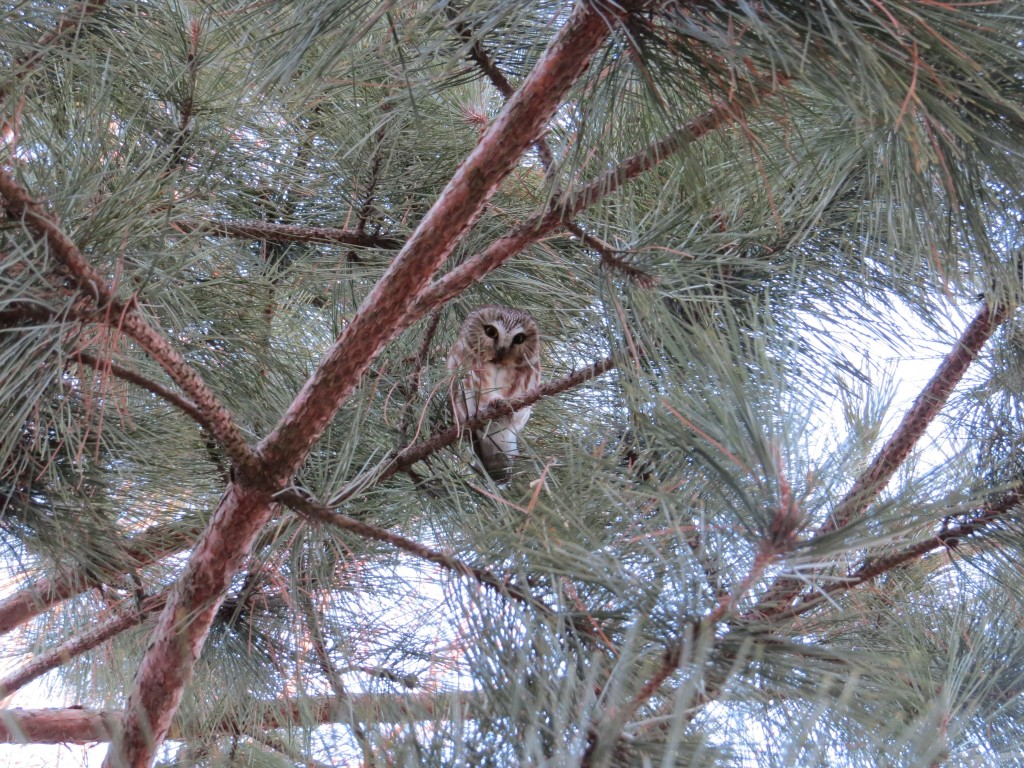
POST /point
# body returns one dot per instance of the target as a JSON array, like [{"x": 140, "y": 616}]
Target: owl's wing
[{"x": 462, "y": 392}]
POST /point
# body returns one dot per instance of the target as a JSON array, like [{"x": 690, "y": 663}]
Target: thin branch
[
  {"x": 153, "y": 544},
  {"x": 264, "y": 230},
  {"x": 411, "y": 387},
  {"x": 126, "y": 318},
  {"x": 419, "y": 451},
  {"x": 610, "y": 259},
  {"x": 310, "y": 509},
  {"x": 871, "y": 568},
  {"x": 537, "y": 226},
  {"x": 134, "y": 377},
  {"x": 890, "y": 458},
  {"x": 278, "y": 744},
  {"x": 55, "y": 657}
]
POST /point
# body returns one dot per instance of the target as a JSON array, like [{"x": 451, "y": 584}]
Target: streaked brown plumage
[{"x": 496, "y": 357}]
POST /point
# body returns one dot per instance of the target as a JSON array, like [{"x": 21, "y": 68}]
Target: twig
[
  {"x": 277, "y": 744},
  {"x": 411, "y": 387},
  {"x": 308, "y": 508},
  {"x": 134, "y": 377},
  {"x": 265, "y": 230}
]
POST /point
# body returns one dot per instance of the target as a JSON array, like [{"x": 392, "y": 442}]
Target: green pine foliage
[{"x": 658, "y": 583}]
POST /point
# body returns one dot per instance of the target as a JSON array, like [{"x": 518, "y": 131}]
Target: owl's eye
[
  {"x": 491, "y": 331},
  {"x": 519, "y": 338}
]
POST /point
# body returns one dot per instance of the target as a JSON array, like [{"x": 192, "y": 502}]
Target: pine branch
[
  {"x": 421, "y": 450},
  {"x": 479, "y": 55},
  {"x": 948, "y": 538},
  {"x": 76, "y": 725},
  {"x": 265, "y": 230},
  {"x": 890, "y": 458},
  {"x": 134, "y": 377},
  {"x": 153, "y": 544},
  {"x": 125, "y": 317},
  {"x": 300, "y": 503},
  {"x": 246, "y": 507},
  {"x": 277, "y": 744},
  {"x": 71, "y": 21},
  {"x": 55, "y": 657},
  {"x": 537, "y": 226}
]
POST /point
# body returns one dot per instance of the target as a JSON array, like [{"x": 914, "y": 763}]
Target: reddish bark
[
  {"x": 895, "y": 451},
  {"x": 155, "y": 543},
  {"x": 185, "y": 622},
  {"x": 265, "y": 230},
  {"x": 125, "y": 317},
  {"x": 247, "y": 506},
  {"x": 380, "y": 318},
  {"x": 82, "y": 726}
]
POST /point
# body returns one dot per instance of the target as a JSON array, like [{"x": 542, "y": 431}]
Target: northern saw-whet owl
[{"x": 497, "y": 356}]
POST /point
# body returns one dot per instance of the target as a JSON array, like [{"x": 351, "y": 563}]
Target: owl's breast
[{"x": 503, "y": 382}]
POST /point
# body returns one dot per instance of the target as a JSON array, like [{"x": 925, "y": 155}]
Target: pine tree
[{"x": 239, "y": 525}]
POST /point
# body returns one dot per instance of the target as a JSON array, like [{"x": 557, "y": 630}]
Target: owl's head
[{"x": 502, "y": 335}]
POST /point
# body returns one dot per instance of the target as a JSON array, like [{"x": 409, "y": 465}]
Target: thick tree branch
[
  {"x": 264, "y": 230},
  {"x": 246, "y": 506},
  {"x": 82, "y": 726},
  {"x": 125, "y": 317}
]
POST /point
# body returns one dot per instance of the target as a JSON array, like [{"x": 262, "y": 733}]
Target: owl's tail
[{"x": 496, "y": 447}]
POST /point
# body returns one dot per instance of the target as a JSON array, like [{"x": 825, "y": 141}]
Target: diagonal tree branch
[
  {"x": 870, "y": 569},
  {"x": 479, "y": 55},
  {"x": 895, "y": 451},
  {"x": 125, "y": 317},
  {"x": 247, "y": 506},
  {"x": 322, "y": 514},
  {"x": 265, "y": 230},
  {"x": 55, "y": 657},
  {"x": 153, "y": 544},
  {"x": 542, "y": 224}
]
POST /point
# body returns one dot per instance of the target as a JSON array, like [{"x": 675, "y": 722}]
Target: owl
[{"x": 497, "y": 356}]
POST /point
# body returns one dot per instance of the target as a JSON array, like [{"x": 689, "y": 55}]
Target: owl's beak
[{"x": 499, "y": 353}]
